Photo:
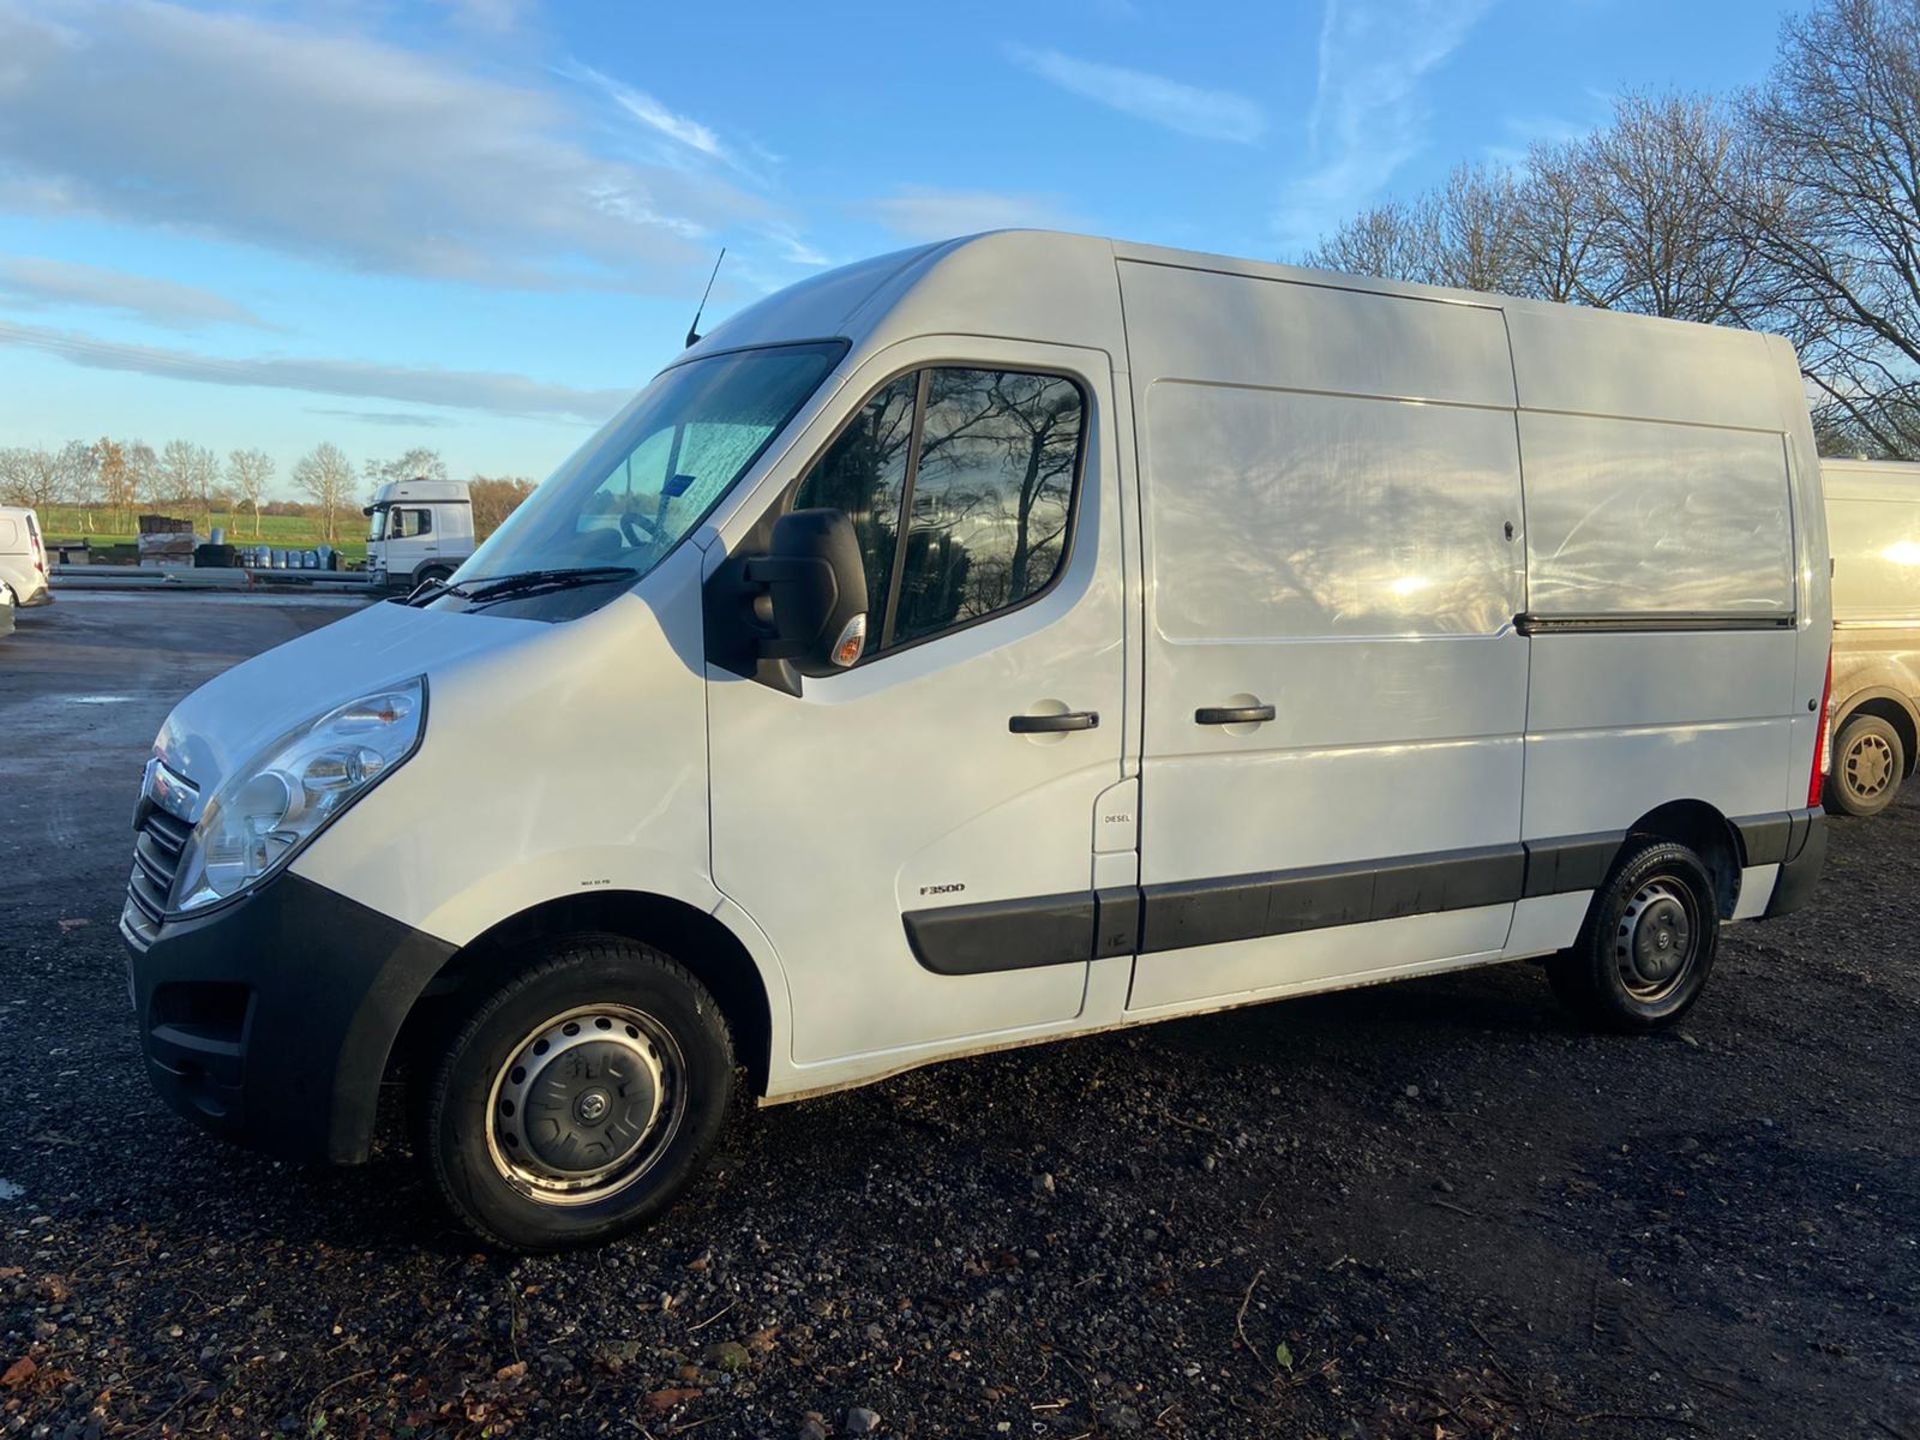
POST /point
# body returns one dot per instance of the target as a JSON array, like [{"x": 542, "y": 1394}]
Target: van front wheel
[
  {"x": 1648, "y": 943},
  {"x": 578, "y": 1099}
]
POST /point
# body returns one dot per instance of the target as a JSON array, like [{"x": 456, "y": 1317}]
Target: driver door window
[
  {"x": 409, "y": 524},
  {"x": 960, "y": 484}
]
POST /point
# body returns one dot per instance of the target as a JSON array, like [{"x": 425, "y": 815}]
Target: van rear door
[{"x": 1335, "y": 691}]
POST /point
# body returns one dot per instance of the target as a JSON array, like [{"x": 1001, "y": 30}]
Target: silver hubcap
[
  {"x": 1869, "y": 766},
  {"x": 586, "y": 1104},
  {"x": 1655, "y": 942}
]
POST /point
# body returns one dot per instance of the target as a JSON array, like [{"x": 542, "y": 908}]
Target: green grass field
[{"x": 286, "y": 532}]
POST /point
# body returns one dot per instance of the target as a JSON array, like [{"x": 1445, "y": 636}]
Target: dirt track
[{"x": 1427, "y": 1209}]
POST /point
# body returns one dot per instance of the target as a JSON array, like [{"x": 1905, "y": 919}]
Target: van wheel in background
[
  {"x": 577, "y": 1100},
  {"x": 431, "y": 572},
  {"x": 1868, "y": 764},
  {"x": 1648, "y": 944}
]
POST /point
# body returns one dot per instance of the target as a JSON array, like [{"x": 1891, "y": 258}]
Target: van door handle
[
  {"x": 1232, "y": 714},
  {"x": 1041, "y": 724}
]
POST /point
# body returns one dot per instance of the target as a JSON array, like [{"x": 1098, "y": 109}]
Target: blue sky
[{"x": 478, "y": 224}]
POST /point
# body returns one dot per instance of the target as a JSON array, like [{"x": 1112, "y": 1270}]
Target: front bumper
[{"x": 269, "y": 1021}]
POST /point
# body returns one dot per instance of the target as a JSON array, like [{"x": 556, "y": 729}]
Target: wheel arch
[
  {"x": 1703, "y": 829},
  {"x": 1892, "y": 706},
  {"x": 696, "y": 939}
]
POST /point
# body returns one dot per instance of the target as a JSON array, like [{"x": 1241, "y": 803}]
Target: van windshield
[
  {"x": 640, "y": 486},
  {"x": 378, "y": 529}
]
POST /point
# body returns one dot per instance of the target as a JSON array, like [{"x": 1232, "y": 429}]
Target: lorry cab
[
  {"x": 988, "y": 643},
  {"x": 420, "y": 530},
  {"x": 1873, "y": 517}
]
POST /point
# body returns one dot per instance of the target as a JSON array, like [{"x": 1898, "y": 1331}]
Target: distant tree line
[
  {"x": 116, "y": 479},
  {"x": 1793, "y": 207}
]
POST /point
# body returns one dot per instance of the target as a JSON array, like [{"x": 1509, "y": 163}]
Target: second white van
[
  {"x": 989, "y": 643},
  {"x": 1873, "y": 517},
  {"x": 23, "y": 556}
]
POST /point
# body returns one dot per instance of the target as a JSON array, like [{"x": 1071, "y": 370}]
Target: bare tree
[
  {"x": 419, "y": 463},
  {"x": 41, "y": 478},
  {"x": 1660, "y": 242},
  {"x": 249, "y": 472},
  {"x": 1557, "y": 224},
  {"x": 185, "y": 475},
  {"x": 1469, "y": 234},
  {"x": 1391, "y": 241},
  {"x": 1479, "y": 234},
  {"x": 1836, "y": 221},
  {"x": 326, "y": 475}
]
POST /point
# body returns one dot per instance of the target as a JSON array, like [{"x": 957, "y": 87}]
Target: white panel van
[
  {"x": 23, "y": 556},
  {"x": 997, "y": 641},
  {"x": 1873, "y": 517}
]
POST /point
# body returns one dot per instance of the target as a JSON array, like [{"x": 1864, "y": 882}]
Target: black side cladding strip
[
  {"x": 1003, "y": 934},
  {"x": 1776, "y": 839},
  {"x": 1570, "y": 863},
  {"x": 1125, "y": 920},
  {"x": 1247, "y": 907}
]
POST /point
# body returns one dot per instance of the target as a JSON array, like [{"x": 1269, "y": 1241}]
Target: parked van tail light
[{"x": 1823, "y": 741}]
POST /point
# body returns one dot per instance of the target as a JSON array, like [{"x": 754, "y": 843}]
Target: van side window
[
  {"x": 992, "y": 494},
  {"x": 864, "y": 473},
  {"x": 409, "y": 523},
  {"x": 964, "y": 514}
]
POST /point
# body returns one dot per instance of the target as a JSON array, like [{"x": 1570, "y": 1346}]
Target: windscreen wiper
[
  {"x": 528, "y": 582},
  {"x": 432, "y": 590}
]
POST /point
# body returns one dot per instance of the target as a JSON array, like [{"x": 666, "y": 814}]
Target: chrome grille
[{"x": 157, "y": 847}]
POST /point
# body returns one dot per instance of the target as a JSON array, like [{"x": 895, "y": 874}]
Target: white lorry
[
  {"x": 420, "y": 530},
  {"x": 992, "y": 642}
]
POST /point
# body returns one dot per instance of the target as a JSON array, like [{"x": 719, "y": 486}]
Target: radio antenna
[{"x": 693, "y": 330}]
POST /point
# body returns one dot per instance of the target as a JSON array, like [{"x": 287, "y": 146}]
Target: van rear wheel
[
  {"x": 1648, "y": 943},
  {"x": 579, "y": 1099},
  {"x": 1869, "y": 763}
]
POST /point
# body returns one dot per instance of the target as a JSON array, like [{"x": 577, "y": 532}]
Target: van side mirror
[{"x": 812, "y": 592}]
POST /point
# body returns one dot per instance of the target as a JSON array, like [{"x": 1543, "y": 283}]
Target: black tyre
[
  {"x": 1869, "y": 762},
  {"x": 577, "y": 1100},
  {"x": 1648, "y": 944},
  {"x": 431, "y": 572}
]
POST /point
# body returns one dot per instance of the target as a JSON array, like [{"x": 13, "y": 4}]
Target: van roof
[
  {"x": 1066, "y": 290},
  {"x": 1870, "y": 479},
  {"x": 1903, "y": 470},
  {"x": 1028, "y": 282}
]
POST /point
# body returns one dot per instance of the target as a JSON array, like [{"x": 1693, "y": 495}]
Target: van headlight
[{"x": 267, "y": 810}]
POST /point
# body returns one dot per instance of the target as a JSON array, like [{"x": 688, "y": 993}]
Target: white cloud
[
  {"x": 918, "y": 212},
  {"x": 396, "y": 419},
  {"x": 29, "y": 281},
  {"x": 1188, "y": 109},
  {"x": 488, "y": 391},
  {"x": 497, "y": 16},
  {"x": 1369, "y": 114},
  {"x": 337, "y": 147},
  {"x": 639, "y": 105}
]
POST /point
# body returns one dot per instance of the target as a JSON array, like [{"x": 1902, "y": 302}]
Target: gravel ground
[{"x": 1432, "y": 1209}]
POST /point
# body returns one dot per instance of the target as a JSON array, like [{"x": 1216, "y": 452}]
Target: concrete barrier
[{"x": 132, "y": 578}]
